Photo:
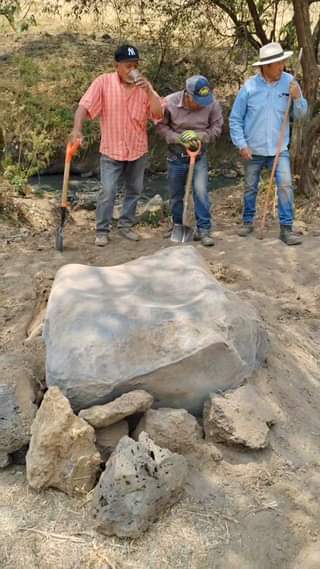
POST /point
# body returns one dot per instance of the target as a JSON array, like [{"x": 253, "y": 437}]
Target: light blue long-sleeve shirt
[{"x": 258, "y": 112}]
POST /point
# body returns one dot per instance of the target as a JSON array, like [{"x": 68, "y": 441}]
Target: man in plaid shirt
[{"x": 124, "y": 101}]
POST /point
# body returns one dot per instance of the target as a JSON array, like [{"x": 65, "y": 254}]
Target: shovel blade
[
  {"x": 187, "y": 234},
  {"x": 59, "y": 234},
  {"x": 177, "y": 233},
  {"x": 181, "y": 234},
  {"x": 59, "y": 239}
]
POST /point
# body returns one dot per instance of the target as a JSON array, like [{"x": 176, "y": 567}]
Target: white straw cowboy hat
[{"x": 271, "y": 53}]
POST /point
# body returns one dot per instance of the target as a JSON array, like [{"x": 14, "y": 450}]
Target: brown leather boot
[
  {"x": 245, "y": 230},
  {"x": 288, "y": 237}
]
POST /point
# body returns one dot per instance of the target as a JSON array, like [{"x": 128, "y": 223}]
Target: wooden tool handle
[
  {"x": 187, "y": 202},
  {"x": 72, "y": 148},
  {"x": 70, "y": 152}
]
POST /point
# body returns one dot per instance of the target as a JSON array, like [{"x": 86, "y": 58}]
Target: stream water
[{"x": 154, "y": 184}]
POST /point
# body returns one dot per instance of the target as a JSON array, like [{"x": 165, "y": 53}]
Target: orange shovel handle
[
  {"x": 194, "y": 153},
  {"x": 187, "y": 202},
  {"x": 72, "y": 148}
]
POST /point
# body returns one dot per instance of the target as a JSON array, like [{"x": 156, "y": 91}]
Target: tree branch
[
  {"x": 257, "y": 22},
  {"x": 240, "y": 26},
  {"x": 274, "y": 23}
]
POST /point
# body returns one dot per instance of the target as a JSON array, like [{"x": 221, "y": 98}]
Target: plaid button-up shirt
[{"x": 124, "y": 114}]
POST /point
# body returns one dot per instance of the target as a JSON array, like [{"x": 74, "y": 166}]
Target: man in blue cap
[{"x": 191, "y": 116}]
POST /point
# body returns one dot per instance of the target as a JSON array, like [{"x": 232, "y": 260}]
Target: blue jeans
[
  {"x": 113, "y": 173},
  {"x": 253, "y": 170},
  {"x": 177, "y": 177}
]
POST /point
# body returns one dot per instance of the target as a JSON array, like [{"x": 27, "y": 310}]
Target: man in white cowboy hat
[{"x": 255, "y": 123}]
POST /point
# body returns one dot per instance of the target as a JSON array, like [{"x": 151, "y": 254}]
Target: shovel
[
  {"x": 184, "y": 233},
  {"x": 64, "y": 208}
]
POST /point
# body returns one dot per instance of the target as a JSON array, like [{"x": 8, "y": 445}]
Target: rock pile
[
  {"x": 144, "y": 468},
  {"x": 146, "y": 364}
]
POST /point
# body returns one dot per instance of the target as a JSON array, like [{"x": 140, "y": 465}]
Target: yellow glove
[{"x": 189, "y": 139}]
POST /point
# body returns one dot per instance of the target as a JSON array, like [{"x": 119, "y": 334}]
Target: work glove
[{"x": 189, "y": 139}]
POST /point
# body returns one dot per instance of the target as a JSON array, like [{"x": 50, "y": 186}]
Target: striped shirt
[{"x": 123, "y": 113}]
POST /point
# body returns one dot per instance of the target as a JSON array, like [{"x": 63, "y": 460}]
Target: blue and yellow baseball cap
[{"x": 198, "y": 87}]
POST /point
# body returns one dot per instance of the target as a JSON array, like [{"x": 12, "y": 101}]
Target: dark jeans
[
  {"x": 253, "y": 169},
  {"x": 177, "y": 177},
  {"x": 113, "y": 172}
]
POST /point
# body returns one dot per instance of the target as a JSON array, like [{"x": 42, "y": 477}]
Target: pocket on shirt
[
  {"x": 139, "y": 115},
  {"x": 282, "y": 102}
]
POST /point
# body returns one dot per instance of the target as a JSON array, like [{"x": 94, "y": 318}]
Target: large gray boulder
[{"x": 161, "y": 323}]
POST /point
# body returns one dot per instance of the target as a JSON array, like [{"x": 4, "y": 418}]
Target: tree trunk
[
  {"x": 304, "y": 151},
  {"x": 309, "y": 181}
]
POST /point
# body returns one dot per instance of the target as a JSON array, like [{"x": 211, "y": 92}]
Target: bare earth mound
[{"x": 253, "y": 510}]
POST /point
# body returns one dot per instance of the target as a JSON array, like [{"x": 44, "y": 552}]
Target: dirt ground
[{"x": 254, "y": 510}]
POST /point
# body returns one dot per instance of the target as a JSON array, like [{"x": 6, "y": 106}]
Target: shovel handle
[
  {"x": 194, "y": 153},
  {"x": 187, "y": 202},
  {"x": 71, "y": 149}
]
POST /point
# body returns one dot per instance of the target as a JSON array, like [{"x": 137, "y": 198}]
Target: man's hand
[
  {"x": 189, "y": 139},
  {"x": 295, "y": 90},
  {"x": 76, "y": 135},
  {"x": 143, "y": 82},
  {"x": 154, "y": 99},
  {"x": 246, "y": 153}
]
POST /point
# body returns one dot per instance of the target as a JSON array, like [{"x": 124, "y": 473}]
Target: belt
[{"x": 179, "y": 153}]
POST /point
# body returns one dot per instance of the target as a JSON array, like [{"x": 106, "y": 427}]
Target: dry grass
[{"x": 50, "y": 530}]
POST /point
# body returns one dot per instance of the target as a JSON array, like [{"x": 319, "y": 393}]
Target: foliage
[
  {"x": 152, "y": 218},
  {"x": 35, "y": 153},
  {"x": 18, "y": 14},
  {"x": 26, "y": 146},
  {"x": 245, "y": 21},
  {"x": 38, "y": 103}
]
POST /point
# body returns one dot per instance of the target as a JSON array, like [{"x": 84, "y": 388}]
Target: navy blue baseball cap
[
  {"x": 126, "y": 52},
  {"x": 198, "y": 87}
]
